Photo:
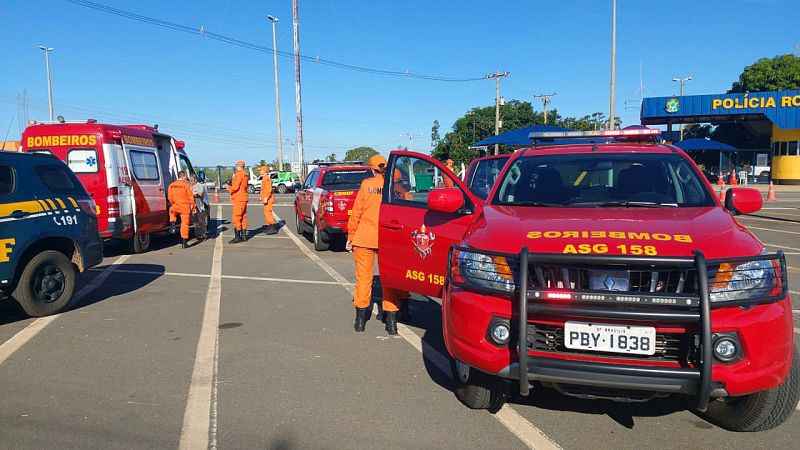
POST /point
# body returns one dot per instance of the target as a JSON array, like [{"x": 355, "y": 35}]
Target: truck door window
[
  {"x": 82, "y": 160},
  {"x": 56, "y": 178},
  {"x": 185, "y": 165},
  {"x": 6, "y": 180},
  {"x": 145, "y": 165},
  {"x": 412, "y": 180},
  {"x": 484, "y": 176}
]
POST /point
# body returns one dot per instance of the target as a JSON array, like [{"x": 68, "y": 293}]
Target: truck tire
[
  {"x": 47, "y": 284},
  {"x": 140, "y": 242},
  {"x": 299, "y": 224},
  {"x": 282, "y": 189},
  {"x": 251, "y": 189},
  {"x": 760, "y": 411},
  {"x": 479, "y": 391},
  {"x": 321, "y": 244}
]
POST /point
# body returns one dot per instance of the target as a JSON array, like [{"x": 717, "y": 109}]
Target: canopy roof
[{"x": 697, "y": 144}]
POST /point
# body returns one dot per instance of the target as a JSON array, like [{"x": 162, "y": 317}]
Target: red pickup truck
[{"x": 324, "y": 203}]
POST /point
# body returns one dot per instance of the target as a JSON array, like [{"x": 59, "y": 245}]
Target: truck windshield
[
  {"x": 603, "y": 180},
  {"x": 344, "y": 179}
]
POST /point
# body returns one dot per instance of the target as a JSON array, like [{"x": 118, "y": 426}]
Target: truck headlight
[
  {"x": 482, "y": 271},
  {"x": 759, "y": 279}
]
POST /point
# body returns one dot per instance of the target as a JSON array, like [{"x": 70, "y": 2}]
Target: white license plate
[{"x": 610, "y": 338}]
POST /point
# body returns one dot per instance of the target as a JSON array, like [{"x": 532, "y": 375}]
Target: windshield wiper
[
  {"x": 533, "y": 203},
  {"x": 626, "y": 204}
]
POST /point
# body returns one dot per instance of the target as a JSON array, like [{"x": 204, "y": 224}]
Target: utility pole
[
  {"x": 546, "y": 99},
  {"x": 682, "y": 82},
  {"x": 274, "y": 21},
  {"x": 612, "y": 99},
  {"x": 298, "y": 103},
  {"x": 497, "y": 102},
  {"x": 47, "y": 51}
]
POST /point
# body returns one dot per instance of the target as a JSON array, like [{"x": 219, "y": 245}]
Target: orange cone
[
  {"x": 771, "y": 193},
  {"x": 732, "y": 179},
  {"x": 216, "y": 195},
  {"x": 722, "y": 195}
]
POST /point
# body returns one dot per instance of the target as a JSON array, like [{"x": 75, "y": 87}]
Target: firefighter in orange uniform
[
  {"x": 239, "y": 198},
  {"x": 445, "y": 179},
  {"x": 181, "y": 201},
  {"x": 363, "y": 240},
  {"x": 268, "y": 200}
]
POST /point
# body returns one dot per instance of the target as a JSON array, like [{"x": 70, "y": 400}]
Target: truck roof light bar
[{"x": 636, "y": 132}]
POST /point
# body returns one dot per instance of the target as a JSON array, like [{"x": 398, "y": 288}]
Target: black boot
[
  {"x": 380, "y": 316},
  {"x": 391, "y": 322},
  {"x": 236, "y": 239},
  {"x": 183, "y": 243},
  {"x": 361, "y": 319}
]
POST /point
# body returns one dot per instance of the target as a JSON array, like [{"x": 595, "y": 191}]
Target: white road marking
[
  {"x": 231, "y": 277},
  {"x": 259, "y": 236},
  {"x": 522, "y": 428},
  {"x": 782, "y": 247},
  {"x": 201, "y": 402},
  {"x": 772, "y": 229},
  {"x": 26, "y": 334}
]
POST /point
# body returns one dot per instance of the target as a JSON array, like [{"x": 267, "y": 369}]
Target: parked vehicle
[
  {"x": 125, "y": 168},
  {"x": 48, "y": 232},
  {"x": 324, "y": 202},
  {"x": 605, "y": 271}
]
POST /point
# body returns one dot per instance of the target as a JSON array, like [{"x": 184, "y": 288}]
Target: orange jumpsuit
[
  {"x": 363, "y": 235},
  {"x": 239, "y": 198},
  {"x": 181, "y": 201},
  {"x": 267, "y": 199},
  {"x": 448, "y": 183}
]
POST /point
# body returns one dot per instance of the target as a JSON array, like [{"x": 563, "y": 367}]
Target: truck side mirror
[
  {"x": 445, "y": 200},
  {"x": 743, "y": 200}
]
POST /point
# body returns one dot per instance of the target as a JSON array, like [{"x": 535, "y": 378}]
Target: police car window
[
  {"x": 6, "y": 180},
  {"x": 56, "y": 178},
  {"x": 606, "y": 180},
  {"x": 412, "y": 179},
  {"x": 145, "y": 165},
  {"x": 82, "y": 160}
]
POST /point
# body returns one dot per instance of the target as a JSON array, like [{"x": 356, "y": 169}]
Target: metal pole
[
  {"x": 612, "y": 100},
  {"x": 497, "y": 113},
  {"x": 682, "y": 82},
  {"x": 47, "y": 51},
  {"x": 546, "y": 98},
  {"x": 298, "y": 104},
  {"x": 274, "y": 21}
]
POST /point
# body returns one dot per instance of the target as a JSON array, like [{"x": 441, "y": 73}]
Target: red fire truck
[
  {"x": 605, "y": 271},
  {"x": 125, "y": 168}
]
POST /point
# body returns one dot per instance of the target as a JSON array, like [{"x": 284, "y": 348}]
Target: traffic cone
[
  {"x": 720, "y": 181},
  {"x": 722, "y": 195},
  {"x": 771, "y": 193},
  {"x": 732, "y": 179},
  {"x": 216, "y": 195}
]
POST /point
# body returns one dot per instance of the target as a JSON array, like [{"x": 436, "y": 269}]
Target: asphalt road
[{"x": 251, "y": 346}]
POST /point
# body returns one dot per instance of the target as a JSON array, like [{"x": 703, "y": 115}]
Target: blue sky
[{"x": 219, "y": 98}]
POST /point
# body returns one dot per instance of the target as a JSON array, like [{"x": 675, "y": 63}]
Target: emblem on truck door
[{"x": 423, "y": 241}]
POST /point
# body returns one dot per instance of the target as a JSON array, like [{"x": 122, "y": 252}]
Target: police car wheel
[
  {"x": 476, "y": 390},
  {"x": 282, "y": 189},
  {"x": 47, "y": 284},
  {"x": 140, "y": 242},
  {"x": 321, "y": 242},
  {"x": 759, "y": 411}
]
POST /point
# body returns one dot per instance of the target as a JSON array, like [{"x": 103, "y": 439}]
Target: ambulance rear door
[
  {"x": 149, "y": 199},
  {"x": 415, "y": 241}
]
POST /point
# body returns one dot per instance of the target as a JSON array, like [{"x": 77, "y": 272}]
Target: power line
[{"x": 203, "y": 32}]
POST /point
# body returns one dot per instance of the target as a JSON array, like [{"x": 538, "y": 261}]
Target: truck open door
[{"x": 415, "y": 240}]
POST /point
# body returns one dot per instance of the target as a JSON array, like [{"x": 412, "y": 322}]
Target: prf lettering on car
[{"x": 6, "y": 248}]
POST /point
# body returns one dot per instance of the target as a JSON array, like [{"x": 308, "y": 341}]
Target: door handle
[{"x": 394, "y": 225}]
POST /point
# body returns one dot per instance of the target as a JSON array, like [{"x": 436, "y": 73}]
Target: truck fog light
[
  {"x": 501, "y": 333},
  {"x": 725, "y": 349}
]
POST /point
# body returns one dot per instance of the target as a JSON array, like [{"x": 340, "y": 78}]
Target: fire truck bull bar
[{"x": 685, "y": 381}]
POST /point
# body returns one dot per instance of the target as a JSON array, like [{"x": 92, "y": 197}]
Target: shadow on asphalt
[{"x": 426, "y": 315}]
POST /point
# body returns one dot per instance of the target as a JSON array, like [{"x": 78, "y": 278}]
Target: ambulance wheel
[
  {"x": 140, "y": 242},
  {"x": 474, "y": 389},
  {"x": 321, "y": 242},
  {"x": 760, "y": 411},
  {"x": 47, "y": 284},
  {"x": 282, "y": 189}
]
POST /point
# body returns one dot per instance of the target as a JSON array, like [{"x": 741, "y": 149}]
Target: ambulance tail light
[
  {"x": 482, "y": 272},
  {"x": 112, "y": 201},
  {"x": 112, "y": 135}
]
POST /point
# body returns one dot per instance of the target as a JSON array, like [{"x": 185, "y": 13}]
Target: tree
[
  {"x": 775, "y": 74},
  {"x": 359, "y": 154},
  {"x": 262, "y": 163},
  {"x": 435, "y": 138},
  {"x": 331, "y": 157}
]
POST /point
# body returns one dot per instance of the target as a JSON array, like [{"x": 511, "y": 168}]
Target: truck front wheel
[
  {"x": 47, "y": 284},
  {"x": 476, "y": 390},
  {"x": 760, "y": 411}
]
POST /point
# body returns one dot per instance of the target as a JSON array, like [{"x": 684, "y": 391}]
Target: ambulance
[
  {"x": 125, "y": 168},
  {"x": 604, "y": 271}
]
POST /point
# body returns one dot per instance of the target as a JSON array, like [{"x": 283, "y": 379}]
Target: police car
[{"x": 48, "y": 232}]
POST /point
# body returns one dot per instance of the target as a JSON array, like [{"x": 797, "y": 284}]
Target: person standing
[
  {"x": 181, "y": 201},
  {"x": 202, "y": 206},
  {"x": 268, "y": 200},
  {"x": 362, "y": 240},
  {"x": 239, "y": 198}
]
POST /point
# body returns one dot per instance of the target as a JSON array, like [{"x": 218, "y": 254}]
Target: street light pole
[
  {"x": 682, "y": 82},
  {"x": 47, "y": 51},
  {"x": 298, "y": 103},
  {"x": 612, "y": 99},
  {"x": 274, "y": 21}
]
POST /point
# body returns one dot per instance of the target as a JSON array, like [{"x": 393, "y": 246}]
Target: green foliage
[
  {"x": 331, "y": 157},
  {"x": 435, "y": 138},
  {"x": 359, "y": 154},
  {"x": 478, "y": 124},
  {"x": 775, "y": 74}
]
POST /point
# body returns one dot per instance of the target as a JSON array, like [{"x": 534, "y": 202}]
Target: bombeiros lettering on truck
[
  {"x": 125, "y": 168},
  {"x": 606, "y": 271}
]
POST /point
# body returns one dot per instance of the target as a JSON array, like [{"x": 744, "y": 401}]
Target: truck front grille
[{"x": 662, "y": 281}]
